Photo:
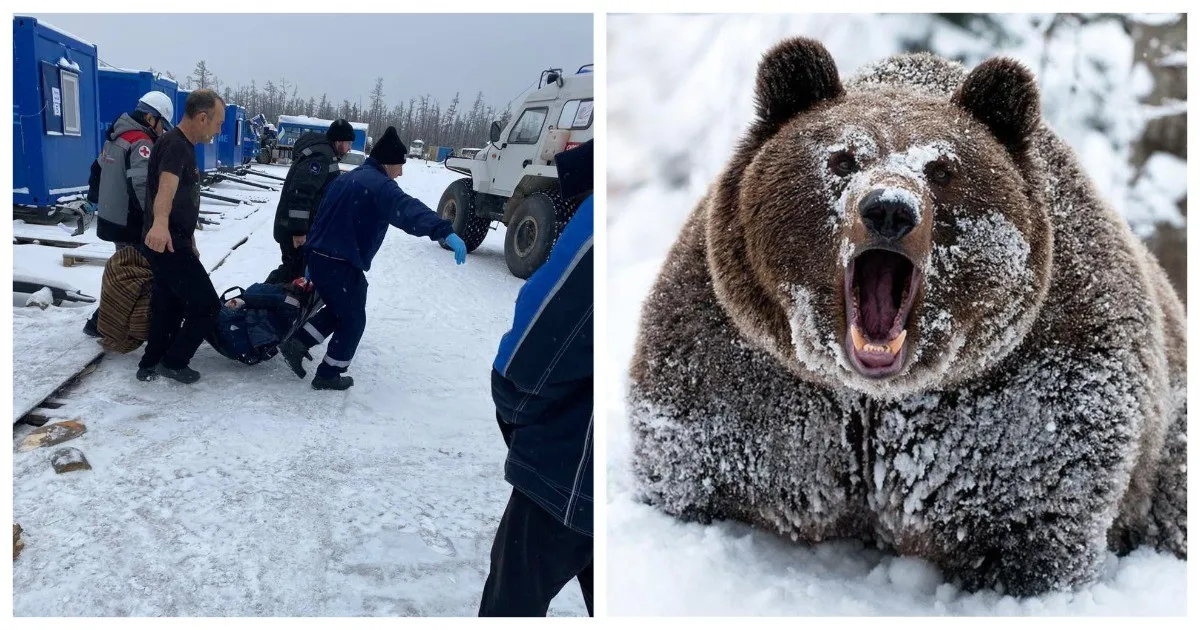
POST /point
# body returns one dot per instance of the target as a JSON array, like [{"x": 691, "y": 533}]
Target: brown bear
[{"x": 903, "y": 314}]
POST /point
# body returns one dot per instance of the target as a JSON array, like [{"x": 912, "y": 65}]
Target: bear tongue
[{"x": 877, "y": 312}]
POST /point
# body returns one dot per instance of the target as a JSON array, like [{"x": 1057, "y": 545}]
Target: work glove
[
  {"x": 89, "y": 207},
  {"x": 459, "y": 247}
]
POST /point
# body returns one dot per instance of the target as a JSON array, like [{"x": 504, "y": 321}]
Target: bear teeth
[
  {"x": 892, "y": 347},
  {"x": 857, "y": 336}
]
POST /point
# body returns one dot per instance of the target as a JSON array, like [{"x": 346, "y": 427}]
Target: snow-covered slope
[
  {"x": 680, "y": 95},
  {"x": 250, "y": 494}
]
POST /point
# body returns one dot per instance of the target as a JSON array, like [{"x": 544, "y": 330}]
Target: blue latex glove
[
  {"x": 459, "y": 247},
  {"x": 89, "y": 207}
]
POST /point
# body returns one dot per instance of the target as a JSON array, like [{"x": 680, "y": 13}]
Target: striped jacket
[
  {"x": 542, "y": 380},
  {"x": 125, "y": 301}
]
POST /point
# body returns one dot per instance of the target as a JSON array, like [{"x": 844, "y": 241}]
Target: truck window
[
  {"x": 529, "y": 126},
  {"x": 576, "y": 115}
]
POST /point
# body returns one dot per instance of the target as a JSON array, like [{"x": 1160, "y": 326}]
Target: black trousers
[
  {"x": 533, "y": 557},
  {"x": 183, "y": 308},
  {"x": 292, "y": 265}
]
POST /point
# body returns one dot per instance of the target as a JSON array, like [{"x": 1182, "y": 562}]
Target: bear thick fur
[{"x": 903, "y": 314}]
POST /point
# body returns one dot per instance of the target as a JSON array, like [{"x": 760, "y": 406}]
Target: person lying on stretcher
[{"x": 253, "y": 322}]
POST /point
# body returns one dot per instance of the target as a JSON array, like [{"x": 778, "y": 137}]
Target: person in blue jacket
[
  {"x": 542, "y": 387},
  {"x": 352, "y": 221}
]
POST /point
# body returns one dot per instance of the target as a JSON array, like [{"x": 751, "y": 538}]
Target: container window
[{"x": 70, "y": 103}]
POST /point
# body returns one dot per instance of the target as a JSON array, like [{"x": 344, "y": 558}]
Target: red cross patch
[{"x": 144, "y": 151}]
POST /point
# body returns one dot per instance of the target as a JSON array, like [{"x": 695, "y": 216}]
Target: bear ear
[
  {"x": 792, "y": 77},
  {"x": 1002, "y": 94}
]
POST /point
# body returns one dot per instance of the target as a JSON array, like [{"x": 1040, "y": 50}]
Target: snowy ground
[
  {"x": 47, "y": 341},
  {"x": 679, "y": 97},
  {"x": 250, "y": 494}
]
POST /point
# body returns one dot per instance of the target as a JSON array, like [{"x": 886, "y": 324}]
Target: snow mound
[{"x": 42, "y": 298}]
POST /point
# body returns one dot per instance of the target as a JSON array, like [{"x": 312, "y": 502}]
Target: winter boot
[
  {"x": 295, "y": 353},
  {"x": 184, "y": 375},
  {"x": 90, "y": 329},
  {"x": 146, "y": 374},
  {"x": 333, "y": 382}
]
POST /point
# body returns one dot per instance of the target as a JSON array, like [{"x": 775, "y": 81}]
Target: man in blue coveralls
[
  {"x": 351, "y": 223},
  {"x": 542, "y": 387}
]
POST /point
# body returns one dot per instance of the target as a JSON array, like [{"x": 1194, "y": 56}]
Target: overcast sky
[{"x": 341, "y": 54}]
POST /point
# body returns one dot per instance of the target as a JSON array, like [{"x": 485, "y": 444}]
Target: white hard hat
[{"x": 160, "y": 105}]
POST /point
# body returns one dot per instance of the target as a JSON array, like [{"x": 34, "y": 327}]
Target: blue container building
[
  {"x": 206, "y": 153},
  {"x": 249, "y": 142},
  {"x": 229, "y": 143},
  {"x": 292, "y": 127},
  {"x": 120, "y": 90},
  {"x": 55, "y": 109}
]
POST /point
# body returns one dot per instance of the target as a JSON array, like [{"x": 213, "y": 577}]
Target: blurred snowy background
[{"x": 680, "y": 96}]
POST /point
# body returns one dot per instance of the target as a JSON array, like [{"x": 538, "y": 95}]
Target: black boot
[
  {"x": 333, "y": 382},
  {"x": 146, "y": 374},
  {"x": 184, "y": 375},
  {"x": 90, "y": 328},
  {"x": 294, "y": 353}
]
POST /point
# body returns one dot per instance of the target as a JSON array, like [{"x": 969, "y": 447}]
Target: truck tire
[
  {"x": 458, "y": 207},
  {"x": 264, "y": 156},
  {"x": 532, "y": 231}
]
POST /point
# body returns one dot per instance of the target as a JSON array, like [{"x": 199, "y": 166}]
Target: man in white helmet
[{"x": 118, "y": 182}]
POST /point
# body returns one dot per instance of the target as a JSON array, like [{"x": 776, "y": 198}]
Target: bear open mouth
[{"x": 881, "y": 286}]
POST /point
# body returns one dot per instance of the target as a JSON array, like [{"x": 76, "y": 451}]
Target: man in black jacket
[
  {"x": 315, "y": 159},
  {"x": 542, "y": 387}
]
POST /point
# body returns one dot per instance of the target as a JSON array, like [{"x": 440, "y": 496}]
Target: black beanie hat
[
  {"x": 340, "y": 131},
  {"x": 389, "y": 149}
]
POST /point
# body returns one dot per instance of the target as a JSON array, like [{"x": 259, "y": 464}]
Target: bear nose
[{"x": 886, "y": 215}]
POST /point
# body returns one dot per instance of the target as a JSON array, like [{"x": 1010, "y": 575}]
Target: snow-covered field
[
  {"x": 250, "y": 494},
  {"x": 680, "y": 95}
]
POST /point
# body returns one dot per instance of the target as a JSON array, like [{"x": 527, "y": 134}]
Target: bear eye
[
  {"x": 940, "y": 173},
  {"x": 842, "y": 163}
]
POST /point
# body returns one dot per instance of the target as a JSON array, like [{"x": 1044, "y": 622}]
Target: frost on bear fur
[{"x": 1034, "y": 414}]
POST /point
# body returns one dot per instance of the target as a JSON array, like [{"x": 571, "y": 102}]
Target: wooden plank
[
  {"x": 71, "y": 259},
  {"x": 49, "y": 242}
]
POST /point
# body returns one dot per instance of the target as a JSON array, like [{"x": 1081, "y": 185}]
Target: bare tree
[
  {"x": 422, "y": 117},
  {"x": 200, "y": 77}
]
